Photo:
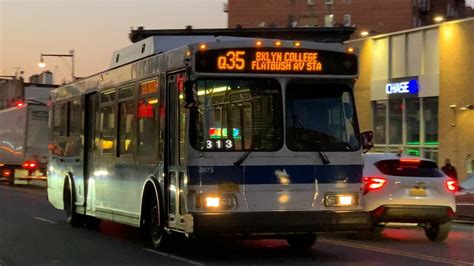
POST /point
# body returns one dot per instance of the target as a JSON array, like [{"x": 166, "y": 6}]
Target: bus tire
[
  {"x": 155, "y": 229},
  {"x": 72, "y": 218},
  {"x": 301, "y": 241}
]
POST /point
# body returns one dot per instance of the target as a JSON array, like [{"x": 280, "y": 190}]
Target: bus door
[
  {"x": 89, "y": 131},
  {"x": 175, "y": 166}
]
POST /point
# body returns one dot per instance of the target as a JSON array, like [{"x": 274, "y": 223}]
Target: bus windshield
[
  {"x": 237, "y": 115},
  {"x": 320, "y": 117}
]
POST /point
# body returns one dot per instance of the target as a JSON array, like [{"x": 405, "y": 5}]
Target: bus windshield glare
[
  {"x": 320, "y": 117},
  {"x": 237, "y": 115}
]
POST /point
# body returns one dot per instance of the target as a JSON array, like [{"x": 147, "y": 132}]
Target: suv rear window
[{"x": 409, "y": 168}]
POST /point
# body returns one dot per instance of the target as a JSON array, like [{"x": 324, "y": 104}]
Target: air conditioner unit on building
[{"x": 225, "y": 7}]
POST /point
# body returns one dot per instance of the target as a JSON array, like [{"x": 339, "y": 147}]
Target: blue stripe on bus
[{"x": 299, "y": 174}]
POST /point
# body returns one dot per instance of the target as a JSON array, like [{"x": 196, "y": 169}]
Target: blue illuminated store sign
[{"x": 402, "y": 88}]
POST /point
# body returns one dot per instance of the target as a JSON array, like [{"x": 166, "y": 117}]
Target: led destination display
[{"x": 275, "y": 61}]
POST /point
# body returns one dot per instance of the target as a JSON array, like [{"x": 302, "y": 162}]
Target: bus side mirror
[
  {"x": 190, "y": 94},
  {"x": 367, "y": 140}
]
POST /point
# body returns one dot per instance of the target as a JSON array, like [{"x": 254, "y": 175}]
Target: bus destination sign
[{"x": 276, "y": 61}]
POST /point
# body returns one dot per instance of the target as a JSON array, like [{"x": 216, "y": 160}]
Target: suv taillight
[
  {"x": 373, "y": 183},
  {"x": 451, "y": 185},
  {"x": 30, "y": 165}
]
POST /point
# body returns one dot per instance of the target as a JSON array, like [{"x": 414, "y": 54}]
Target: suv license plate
[{"x": 418, "y": 192}]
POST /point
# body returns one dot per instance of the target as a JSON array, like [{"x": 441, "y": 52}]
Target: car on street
[
  {"x": 406, "y": 189},
  {"x": 465, "y": 199}
]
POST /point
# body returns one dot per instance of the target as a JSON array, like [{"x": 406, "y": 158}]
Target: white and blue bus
[{"x": 219, "y": 136}]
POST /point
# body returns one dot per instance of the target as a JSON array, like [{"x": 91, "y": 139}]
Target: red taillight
[
  {"x": 373, "y": 183},
  {"x": 451, "y": 185},
  {"x": 20, "y": 104},
  {"x": 30, "y": 165},
  {"x": 6, "y": 172}
]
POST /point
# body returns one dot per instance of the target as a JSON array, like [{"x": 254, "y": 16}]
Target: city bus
[{"x": 213, "y": 136}]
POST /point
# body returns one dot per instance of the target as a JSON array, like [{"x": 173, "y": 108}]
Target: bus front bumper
[{"x": 284, "y": 222}]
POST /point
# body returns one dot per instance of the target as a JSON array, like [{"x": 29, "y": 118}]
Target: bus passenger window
[
  {"x": 147, "y": 126},
  {"x": 59, "y": 120},
  {"x": 75, "y": 117},
  {"x": 126, "y": 123},
  {"x": 107, "y": 129}
]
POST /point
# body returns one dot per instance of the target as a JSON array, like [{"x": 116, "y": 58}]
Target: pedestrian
[{"x": 449, "y": 169}]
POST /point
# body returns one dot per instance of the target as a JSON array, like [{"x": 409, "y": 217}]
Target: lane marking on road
[
  {"x": 174, "y": 257},
  {"x": 352, "y": 244},
  {"x": 45, "y": 220},
  {"x": 468, "y": 227}
]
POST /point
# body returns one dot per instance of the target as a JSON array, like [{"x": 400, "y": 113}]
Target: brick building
[{"x": 372, "y": 16}]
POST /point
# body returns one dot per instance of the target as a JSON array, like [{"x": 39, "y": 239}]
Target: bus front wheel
[
  {"x": 157, "y": 233},
  {"x": 72, "y": 218}
]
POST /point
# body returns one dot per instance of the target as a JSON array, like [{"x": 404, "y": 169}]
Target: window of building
[
  {"x": 328, "y": 2},
  {"x": 409, "y": 125},
  {"x": 412, "y": 119},
  {"x": 395, "y": 115},
  {"x": 329, "y": 20},
  {"x": 347, "y": 20},
  {"x": 310, "y": 2},
  {"x": 380, "y": 117},
  {"x": 430, "y": 115}
]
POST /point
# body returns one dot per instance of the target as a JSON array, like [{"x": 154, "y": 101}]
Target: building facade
[
  {"x": 416, "y": 91},
  {"x": 370, "y": 16}
]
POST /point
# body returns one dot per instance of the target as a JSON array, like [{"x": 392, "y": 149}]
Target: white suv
[{"x": 406, "y": 189}]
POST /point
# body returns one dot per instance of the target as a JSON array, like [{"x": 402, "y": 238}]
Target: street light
[
  {"x": 438, "y": 19},
  {"x": 42, "y": 64}
]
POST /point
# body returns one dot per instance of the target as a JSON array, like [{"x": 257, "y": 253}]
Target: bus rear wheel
[
  {"x": 72, "y": 218},
  {"x": 301, "y": 241}
]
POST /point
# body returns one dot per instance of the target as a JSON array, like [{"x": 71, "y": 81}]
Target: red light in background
[
  {"x": 20, "y": 104},
  {"x": 451, "y": 185},
  {"x": 30, "y": 165}
]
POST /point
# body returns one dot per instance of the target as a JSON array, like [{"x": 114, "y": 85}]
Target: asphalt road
[{"x": 32, "y": 232}]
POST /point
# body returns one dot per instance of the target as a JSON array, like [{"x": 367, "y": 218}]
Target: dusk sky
[{"x": 93, "y": 28}]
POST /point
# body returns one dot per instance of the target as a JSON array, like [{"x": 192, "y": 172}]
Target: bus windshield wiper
[
  {"x": 242, "y": 158},
  {"x": 323, "y": 157}
]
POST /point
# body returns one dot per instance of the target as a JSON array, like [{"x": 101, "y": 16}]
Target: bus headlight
[
  {"x": 222, "y": 202},
  {"x": 341, "y": 200},
  {"x": 212, "y": 202}
]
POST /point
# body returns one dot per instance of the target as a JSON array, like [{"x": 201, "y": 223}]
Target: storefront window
[
  {"x": 430, "y": 113},
  {"x": 395, "y": 121},
  {"x": 412, "y": 117},
  {"x": 380, "y": 116},
  {"x": 431, "y": 154},
  {"x": 412, "y": 126}
]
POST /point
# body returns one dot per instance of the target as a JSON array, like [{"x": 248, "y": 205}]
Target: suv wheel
[
  {"x": 437, "y": 232},
  {"x": 301, "y": 241}
]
